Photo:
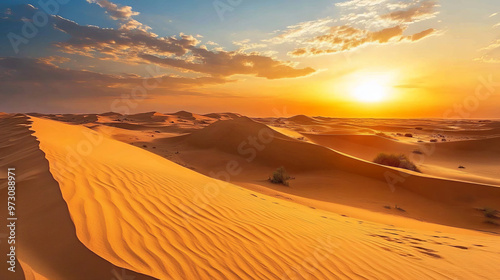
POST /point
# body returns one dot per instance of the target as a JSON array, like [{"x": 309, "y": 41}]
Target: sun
[{"x": 370, "y": 91}]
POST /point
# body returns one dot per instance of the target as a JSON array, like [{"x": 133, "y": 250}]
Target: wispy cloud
[
  {"x": 344, "y": 38},
  {"x": 183, "y": 52},
  {"x": 490, "y": 53},
  {"x": 35, "y": 81},
  {"x": 301, "y": 31},
  {"x": 360, "y": 3},
  {"x": 122, "y": 13},
  {"x": 134, "y": 43},
  {"x": 362, "y": 22},
  {"x": 418, "y": 12},
  {"x": 108, "y": 43},
  {"x": 43, "y": 70}
]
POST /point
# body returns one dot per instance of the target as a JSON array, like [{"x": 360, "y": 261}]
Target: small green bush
[
  {"x": 280, "y": 176},
  {"x": 393, "y": 160}
]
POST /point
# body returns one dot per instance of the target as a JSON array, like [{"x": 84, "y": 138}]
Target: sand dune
[
  {"x": 439, "y": 159},
  {"x": 488, "y": 145},
  {"x": 362, "y": 146},
  {"x": 46, "y": 244},
  {"x": 71, "y": 118},
  {"x": 422, "y": 129},
  {"x": 302, "y": 119},
  {"x": 189, "y": 116},
  {"x": 201, "y": 151},
  {"x": 326, "y": 175},
  {"x": 156, "y": 117},
  {"x": 145, "y": 213},
  {"x": 137, "y": 213},
  {"x": 148, "y": 117},
  {"x": 223, "y": 116}
]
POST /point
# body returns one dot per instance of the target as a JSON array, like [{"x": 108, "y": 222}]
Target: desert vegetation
[
  {"x": 280, "y": 176},
  {"x": 396, "y": 160},
  {"x": 491, "y": 215},
  {"x": 418, "y": 152}
]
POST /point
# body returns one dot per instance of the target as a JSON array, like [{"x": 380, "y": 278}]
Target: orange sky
[{"x": 357, "y": 58}]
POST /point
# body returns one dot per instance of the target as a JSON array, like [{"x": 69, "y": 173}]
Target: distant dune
[
  {"x": 223, "y": 116},
  {"x": 302, "y": 119},
  {"x": 441, "y": 159},
  {"x": 337, "y": 172}
]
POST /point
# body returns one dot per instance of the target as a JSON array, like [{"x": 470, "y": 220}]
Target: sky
[{"x": 351, "y": 58}]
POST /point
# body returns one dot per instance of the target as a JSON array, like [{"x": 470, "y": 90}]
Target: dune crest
[
  {"x": 145, "y": 213},
  {"x": 47, "y": 245}
]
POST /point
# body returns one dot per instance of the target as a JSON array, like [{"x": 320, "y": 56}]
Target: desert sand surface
[
  {"x": 186, "y": 196},
  {"x": 47, "y": 244},
  {"x": 325, "y": 170}
]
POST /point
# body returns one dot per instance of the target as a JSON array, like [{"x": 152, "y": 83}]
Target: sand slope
[
  {"x": 143, "y": 212},
  {"x": 481, "y": 157},
  {"x": 326, "y": 175},
  {"x": 47, "y": 245}
]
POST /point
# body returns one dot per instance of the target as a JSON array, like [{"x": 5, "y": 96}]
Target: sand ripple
[{"x": 145, "y": 213}]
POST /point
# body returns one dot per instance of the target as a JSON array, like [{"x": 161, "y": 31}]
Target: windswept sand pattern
[
  {"x": 46, "y": 243},
  {"x": 142, "y": 212}
]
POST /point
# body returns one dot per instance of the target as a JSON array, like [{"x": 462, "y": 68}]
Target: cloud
[
  {"x": 116, "y": 12},
  {"x": 361, "y": 23},
  {"x": 17, "y": 13},
  {"x": 422, "y": 34},
  {"x": 28, "y": 83},
  {"x": 182, "y": 52},
  {"x": 121, "y": 13},
  {"x": 359, "y": 3},
  {"x": 490, "y": 53},
  {"x": 54, "y": 60},
  {"x": 379, "y": 14},
  {"x": 296, "y": 33},
  {"x": 245, "y": 45},
  {"x": 421, "y": 11},
  {"x": 345, "y": 38},
  {"x": 224, "y": 64},
  {"x": 43, "y": 72},
  {"x": 139, "y": 46},
  {"x": 118, "y": 44}
]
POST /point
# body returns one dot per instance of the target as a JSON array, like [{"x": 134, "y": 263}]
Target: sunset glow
[
  {"x": 209, "y": 56},
  {"x": 370, "y": 91}
]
